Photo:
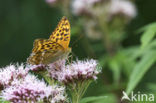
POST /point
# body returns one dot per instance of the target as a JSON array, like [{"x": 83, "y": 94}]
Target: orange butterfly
[{"x": 46, "y": 51}]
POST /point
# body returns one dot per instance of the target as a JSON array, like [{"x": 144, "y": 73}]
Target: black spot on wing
[
  {"x": 57, "y": 39},
  {"x": 66, "y": 30},
  {"x": 62, "y": 34},
  {"x": 65, "y": 34},
  {"x": 61, "y": 38}
]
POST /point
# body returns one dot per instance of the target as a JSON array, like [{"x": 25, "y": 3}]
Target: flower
[
  {"x": 123, "y": 7},
  {"x": 51, "y": 2},
  {"x": 11, "y": 72},
  {"x": 82, "y": 6},
  {"x": 55, "y": 65},
  {"x": 37, "y": 68},
  {"x": 58, "y": 65},
  {"x": 30, "y": 89},
  {"x": 76, "y": 76},
  {"x": 91, "y": 30},
  {"x": 55, "y": 69},
  {"x": 78, "y": 70}
]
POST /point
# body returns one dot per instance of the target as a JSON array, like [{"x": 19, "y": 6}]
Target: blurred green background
[{"x": 23, "y": 21}]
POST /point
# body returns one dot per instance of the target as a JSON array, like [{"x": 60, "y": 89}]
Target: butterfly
[{"x": 46, "y": 51}]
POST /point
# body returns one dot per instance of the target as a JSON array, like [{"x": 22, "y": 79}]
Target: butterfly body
[{"x": 46, "y": 51}]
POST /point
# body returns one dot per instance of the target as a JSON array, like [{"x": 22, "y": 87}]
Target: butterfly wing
[
  {"x": 44, "y": 52},
  {"x": 36, "y": 55},
  {"x": 61, "y": 34},
  {"x": 39, "y": 45}
]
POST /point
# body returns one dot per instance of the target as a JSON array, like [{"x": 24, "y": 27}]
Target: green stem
[
  {"x": 47, "y": 78},
  {"x": 106, "y": 36},
  {"x": 65, "y": 10},
  {"x": 85, "y": 88},
  {"x": 78, "y": 90}
]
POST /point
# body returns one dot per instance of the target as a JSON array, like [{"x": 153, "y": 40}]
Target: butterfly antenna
[
  {"x": 71, "y": 59},
  {"x": 73, "y": 54},
  {"x": 70, "y": 56}
]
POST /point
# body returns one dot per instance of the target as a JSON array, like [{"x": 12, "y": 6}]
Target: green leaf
[
  {"x": 115, "y": 66},
  {"x": 3, "y": 101},
  {"x": 147, "y": 37},
  {"x": 152, "y": 87},
  {"x": 123, "y": 54},
  {"x": 110, "y": 98},
  {"x": 75, "y": 30},
  {"x": 103, "y": 60},
  {"x": 152, "y": 26},
  {"x": 89, "y": 99},
  {"x": 140, "y": 69}
]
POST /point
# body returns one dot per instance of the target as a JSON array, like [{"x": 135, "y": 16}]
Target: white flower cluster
[
  {"x": 18, "y": 86},
  {"x": 27, "y": 88},
  {"x": 58, "y": 65},
  {"x": 78, "y": 70},
  {"x": 37, "y": 68},
  {"x": 115, "y": 7},
  {"x": 81, "y": 6},
  {"x": 9, "y": 73},
  {"x": 123, "y": 7},
  {"x": 51, "y": 1}
]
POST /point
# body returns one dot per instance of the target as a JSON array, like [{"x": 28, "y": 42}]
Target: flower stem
[
  {"x": 106, "y": 35},
  {"x": 47, "y": 78},
  {"x": 78, "y": 90}
]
